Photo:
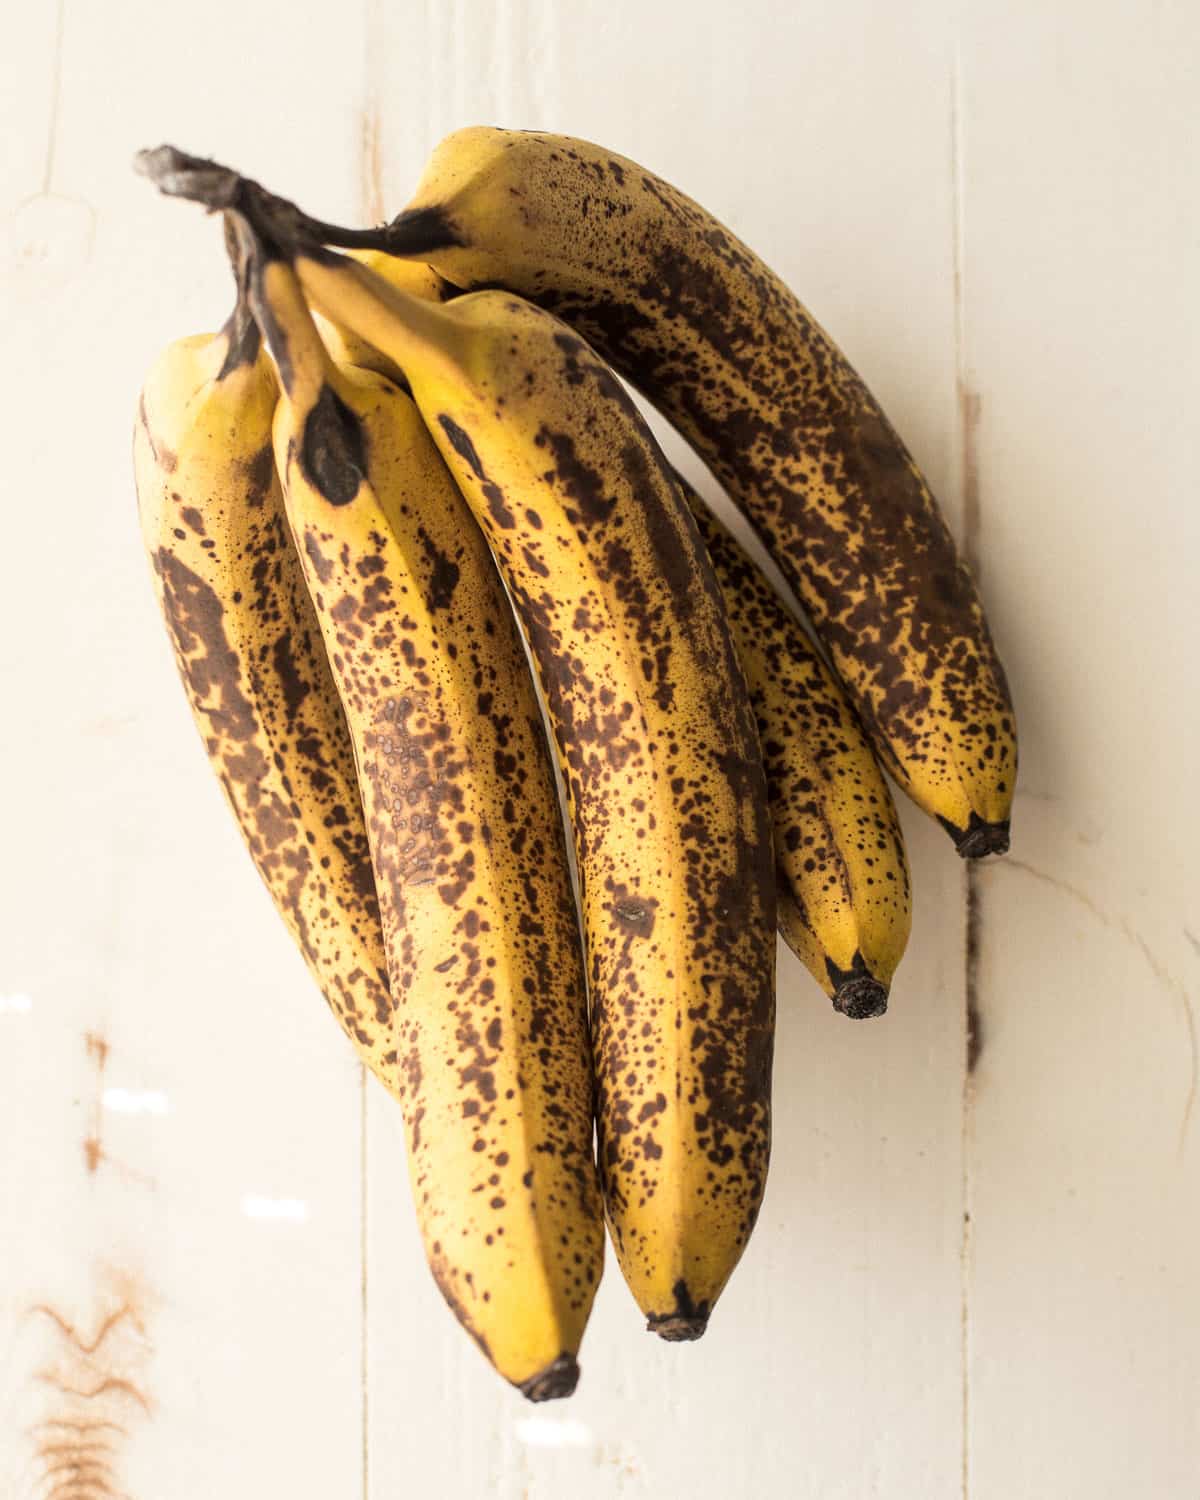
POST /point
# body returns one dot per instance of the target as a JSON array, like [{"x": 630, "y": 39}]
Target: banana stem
[
  {"x": 279, "y": 223},
  {"x": 241, "y": 330},
  {"x": 264, "y": 227}
]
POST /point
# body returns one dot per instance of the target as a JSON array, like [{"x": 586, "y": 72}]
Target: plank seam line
[
  {"x": 373, "y": 208},
  {"x": 55, "y": 99},
  {"x": 968, "y": 415},
  {"x": 1154, "y": 963},
  {"x": 364, "y": 1370}
]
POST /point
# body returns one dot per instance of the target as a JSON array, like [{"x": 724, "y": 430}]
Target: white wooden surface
[{"x": 965, "y": 1283}]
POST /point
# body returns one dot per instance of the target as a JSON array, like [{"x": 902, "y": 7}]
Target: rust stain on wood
[
  {"x": 93, "y": 1148},
  {"x": 94, "y": 1377},
  {"x": 69, "y": 1332},
  {"x": 99, "y": 1049}
]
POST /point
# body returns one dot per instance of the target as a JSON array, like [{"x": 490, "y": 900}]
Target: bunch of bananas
[{"x": 393, "y": 472}]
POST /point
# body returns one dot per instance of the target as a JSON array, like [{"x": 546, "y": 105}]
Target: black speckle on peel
[
  {"x": 322, "y": 566},
  {"x": 295, "y": 688},
  {"x": 259, "y": 474},
  {"x": 443, "y": 575},
  {"x": 634, "y": 916},
  {"x": 333, "y": 452},
  {"x": 210, "y": 665},
  {"x": 461, "y": 442},
  {"x": 583, "y": 484}
]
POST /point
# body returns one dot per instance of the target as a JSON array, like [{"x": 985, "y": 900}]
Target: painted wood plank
[
  {"x": 1081, "y": 216},
  {"x": 833, "y": 1365},
  {"x": 181, "y": 1179}
]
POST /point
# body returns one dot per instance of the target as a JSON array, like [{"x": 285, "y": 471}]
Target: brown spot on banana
[
  {"x": 253, "y": 667},
  {"x": 844, "y": 891}
]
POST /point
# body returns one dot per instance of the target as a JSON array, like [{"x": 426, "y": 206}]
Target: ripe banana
[
  {"x": 659, "y": 754},
  {"x": 694, "y": 319},
  {"x": 467, "y": 845},
  {"x": 253, "y": 664},
  {"x": 845, "y": 904}
]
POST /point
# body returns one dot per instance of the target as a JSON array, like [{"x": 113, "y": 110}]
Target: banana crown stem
[
  {"x": 272, "y": 229},
  {"x": 217, "y": 187}
]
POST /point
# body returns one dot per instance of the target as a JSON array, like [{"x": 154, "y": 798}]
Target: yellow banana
[
  {"x": 845, "y": 904},
  {"x": 658, "y": 748},
  {"x": 479, "y": 923},
  {"x": 693, "y": 318},
  {"x": 253, "y": 664}
]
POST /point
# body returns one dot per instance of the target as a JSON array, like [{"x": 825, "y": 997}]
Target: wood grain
[
  {"x": 832, "y": 1366},
  {"x": 174, "y": 1076},
  {"x": 1081, "y": 214},
  {"x": 973, "y": 1277}
]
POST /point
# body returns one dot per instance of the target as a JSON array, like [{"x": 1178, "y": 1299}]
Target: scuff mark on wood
[
  {"x": 371, "y": 163},
  {"x": 1153, "y": 962}
]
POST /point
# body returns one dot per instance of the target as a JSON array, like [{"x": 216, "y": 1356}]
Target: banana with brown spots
[
  {"x": 470, "y": 863},
  {"x": 694, "y": 319},
  {"x": 253, "y": 664},
  {"x": 657, "y": 744},
  {"x": 842, "y": 879},
  {"x": 842, "y": 883}
]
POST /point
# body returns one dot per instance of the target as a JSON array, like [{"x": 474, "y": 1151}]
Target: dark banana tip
[
  {"x": 861, "y": 999},
  {"x": 856, "y": 992},
  {"x": 558, "y": 1379},
  {"x": 979, "y": 839},
  {"x": 687, "y": 1320},
  {"x": 675, "y": 1328}
]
